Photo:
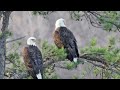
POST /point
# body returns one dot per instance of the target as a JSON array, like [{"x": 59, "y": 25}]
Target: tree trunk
[{"x": 5, "y": 23}]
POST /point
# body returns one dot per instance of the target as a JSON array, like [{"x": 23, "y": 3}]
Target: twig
[
  {"x": 89, "y": 71},
  {"x": 97, "y": 65},
  {"x": 60, "y": 66},
  {"x": 92, "y": 22},
  {"x": 109, "y": 68},
  {"x": 15, "y": 39},
  {"x": 89, "y": 57},
  {"x": 47, "y": 63},
  {"x": 93, "y": 13},
  {"x": 12, "y": 62}
]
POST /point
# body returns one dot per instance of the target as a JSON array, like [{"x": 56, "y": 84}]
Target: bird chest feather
[{"x": 57, "y": 39}]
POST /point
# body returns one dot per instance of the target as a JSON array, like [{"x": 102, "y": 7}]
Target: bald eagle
[
  {"x": 33, "y": 59},
  {"x": 63, "y": 37}
]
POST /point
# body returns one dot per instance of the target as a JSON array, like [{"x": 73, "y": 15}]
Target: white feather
[
  {"x": 75, "y": 60},
  {"x": 39, "y": 76}
]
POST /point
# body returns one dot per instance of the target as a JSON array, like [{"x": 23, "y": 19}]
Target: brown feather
[
  {"x": 63, "y": 37},
  {"x": 27, "y": 59},
  {"x": 57, "y": 40}
]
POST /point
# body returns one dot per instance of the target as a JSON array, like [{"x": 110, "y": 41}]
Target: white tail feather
[
  {"x": 39, "y": 76},
  {"x": 75, "y": 60}
]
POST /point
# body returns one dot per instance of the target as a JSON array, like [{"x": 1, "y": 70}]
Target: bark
[
  {"x": 1, "y": 12},
  {"x": 5, "y": 23}
]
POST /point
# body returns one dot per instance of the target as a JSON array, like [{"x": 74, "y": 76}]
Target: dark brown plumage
[
  {"x": 63, "y": 37},
  {"x": 33, "y": 60}
]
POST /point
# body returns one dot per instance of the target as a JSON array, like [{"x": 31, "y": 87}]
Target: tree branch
[
  {"x": 47, "y": 63},
  {"x": 97, "y": 16},
  {"x": 15, "y": 39},
  {"x": 93, "y": 58},
  {"x": 101, "y": 66},
  {"x": 92, "y": 22}
]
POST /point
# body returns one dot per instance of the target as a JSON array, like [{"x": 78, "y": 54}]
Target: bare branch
[
  {"x": 60, "y": 66},
  {"x": 15, "y": 39},
  {"x": 49, "y": 62},
  {"x": 96, "y": 15},
  {"x": 89, "y": 71},
  {"x": 101, "y": 66},
  {"x": 108, "y": 68},
  {"x": 11, "y": 61},
  {"x": 92, "y": 22},
  {"x": 93, "y": 58}
]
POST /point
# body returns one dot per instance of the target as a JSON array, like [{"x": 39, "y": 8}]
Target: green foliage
[
  {"x": 115, "y": 76},
  {"x": 97, "y": 71},
  {"x": 110, "y": 53},
  {"x": 52, "y": 52},
  {"x": 93, "y": 42},
  {"x": 8, "y": 34},
  {"x": 75, "y": 77},
  {"x": 48, "y": 51},
  {"x": 75, "y": 15},
  {"x": 13, "y": 56},
  {"x": 109, "y": 19},
  {"x": 19, "y": 43},
  {"x": 70, "y": 65},
  {"x": 83, "y": 74},
  {"x": 43, "y": 13},
  {"x": 49, "y": 73},
  {"x": 106, "y": 74},
  {"x": 112, "y": 56},
  {"x": 17, "y": 66},
  {"x": 93, "y": 48},
  {"x": 111, "y": 42}
]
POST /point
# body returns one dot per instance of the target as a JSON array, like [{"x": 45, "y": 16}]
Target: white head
[
  {"x": 31, "y": 41},
  {"x": 60, "y": 23}
]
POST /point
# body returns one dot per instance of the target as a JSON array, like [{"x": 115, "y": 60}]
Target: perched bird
[
  {"x": 33, "y": 59},
  {"x": 63, "y": 37}
]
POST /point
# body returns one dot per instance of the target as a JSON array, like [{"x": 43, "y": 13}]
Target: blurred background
[{"x": 24, "y": 23}]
